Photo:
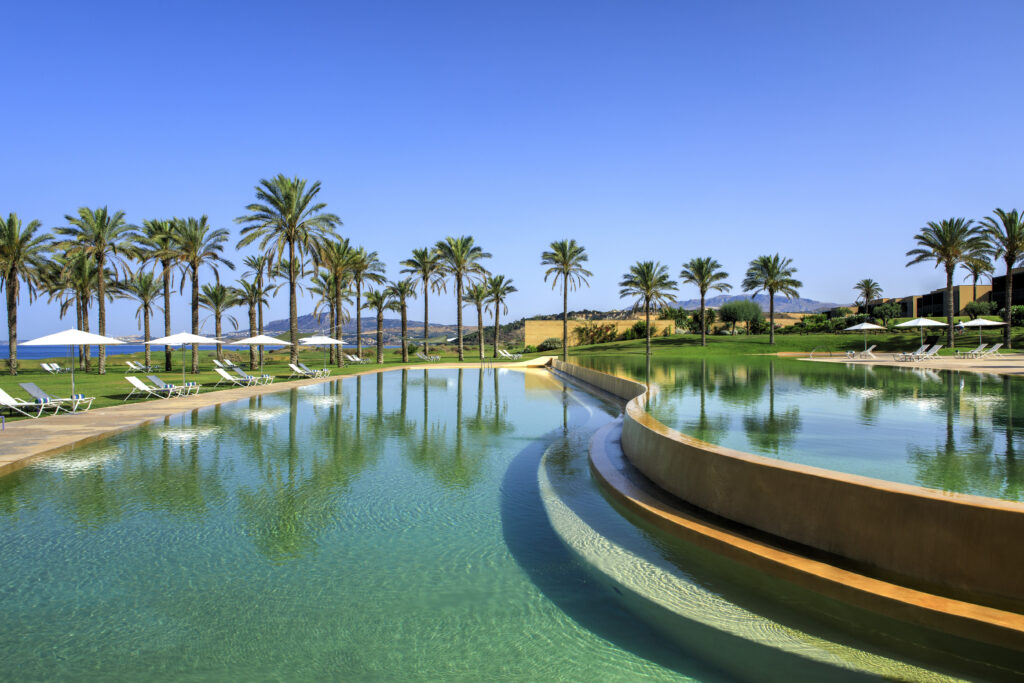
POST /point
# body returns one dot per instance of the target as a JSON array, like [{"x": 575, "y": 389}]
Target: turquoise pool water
[
  {"x": 411, "y": 525},
  {"x": 953, "y": 431}
]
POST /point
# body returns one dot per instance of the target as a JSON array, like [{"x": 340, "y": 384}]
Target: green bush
[
  {"x": 637, "y": 331},
  {"x": 593, "y": 332},
  {"x": 890, "y": 310},
  {"x": 550, "y": 344},
  {"x": 529, "y": 348},
  {"x": 740, "y": 311},
  {"x": 978, "y": 308},
  {"x": 840, "y": 312},
  {"x": 692, "y": 324}
]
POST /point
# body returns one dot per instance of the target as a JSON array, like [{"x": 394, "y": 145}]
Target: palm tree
[
  {"x": 157, "y": 244},
  {"x": 259, "y": 269},
  {"x": 649, "y": 282},
  {"x": 107, "y": 239},
  {"x": 498, "y": 289},
  {"x": 707, "y": 274},
  {"x": 254, "y": 297},
  {"x": 566, "y": 259},
  {"x": 869, "y": 291},
  {"x": 461, "y": 259},
  {"x": 1005, "y": 238},
  {"x": 977, "y": 269},
  {"x": 378, "y": 301},
  {"x": 198, "y": 245},
  {"x": 287, "y": 217},
  {"x": 71, "y": 279},
  {"x": 949, "y": 243},
  {"x": 218, "y": 299},
  {"x": 336, "y": 256},
  {"x": 23, "y": 256},
  {"x": 772, "y": 274},
  {"x": 476, "y": 294},
  {"x": 364, "y": 267},
  {"x": 145, "y": 288},
  {"x": 426, "y": 264},
  {"x": 400, "y": 293},
  {"x": 322, "y": 288}
]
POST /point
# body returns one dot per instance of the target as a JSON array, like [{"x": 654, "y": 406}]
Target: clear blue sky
[{"x": 827, "y": 131}]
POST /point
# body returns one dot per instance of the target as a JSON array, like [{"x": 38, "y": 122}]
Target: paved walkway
[
  {"x": 1008, "y": 364},
  {"x": 25, "y": 441}
]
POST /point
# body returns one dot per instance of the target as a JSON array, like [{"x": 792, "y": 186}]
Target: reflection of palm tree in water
[
  {"x": 969, "y": 467},
  {"x": 774, "y": 431},
  {"x": 710, "y": 429}
]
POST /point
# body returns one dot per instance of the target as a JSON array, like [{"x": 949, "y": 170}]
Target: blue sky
[{"x": 827, "y": 131}]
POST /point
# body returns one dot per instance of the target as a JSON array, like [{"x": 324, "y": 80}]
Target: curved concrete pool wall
[{"x": 964, "y": 546}]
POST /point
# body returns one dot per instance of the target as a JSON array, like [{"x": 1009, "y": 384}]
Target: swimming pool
[
  {"x": 411, "y": 525},
  {"x": 953, "y": 431}
]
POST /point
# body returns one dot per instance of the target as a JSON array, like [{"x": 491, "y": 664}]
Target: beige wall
[
  {"x": 954, "y": 544},
  {"x": 537, "y": 331}
]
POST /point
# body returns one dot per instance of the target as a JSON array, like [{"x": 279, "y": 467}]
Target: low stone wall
[
  {"x": 536, "y": 331},
  {"x": 967, "y": 547}
]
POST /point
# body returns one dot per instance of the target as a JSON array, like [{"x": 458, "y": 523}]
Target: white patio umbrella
[
  {"x": 980, "y": 323},
  {"x": 865, "y": 327},
  {"x": 921, "y": 323},
  {"x": 73, "y": 338},
  {"x": 261, "y": 340},
  {"x": 320, "y": 340},
  {"x": 183, "y": 338}
]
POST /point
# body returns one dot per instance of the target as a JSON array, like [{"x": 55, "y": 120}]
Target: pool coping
[
  {"x": 26, "y": 441},
  {"x": 648, "y": 445}
]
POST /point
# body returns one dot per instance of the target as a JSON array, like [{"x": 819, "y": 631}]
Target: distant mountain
[
  {"x": 308, "y": 324},
  {"x": 782, "y": 304}
]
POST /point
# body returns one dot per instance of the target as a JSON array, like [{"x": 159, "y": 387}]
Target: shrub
[
  {"x": 679, "y": 315},
  {"x": 550, "y": 344},
  {"x": 637, "y": 331},
  {"x": 977, "y": 308},
  {"x": 594, "y": 333},
  {"x": 413, "y": 348},
  {"x": 740, "y": 311},
  {"x": 840, "y": 312},
  {"x": 886, "y": 312},
  {"x": 856, "y": 319},
  {"x": 529, "y": 348},
  {"x": 692, "y": 324}
]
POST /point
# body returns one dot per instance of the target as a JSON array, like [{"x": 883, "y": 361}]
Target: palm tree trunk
[
  {"x": 565, "y": 318},
  {"x": 167, "y": 314},
  {"x": 216, "y": 328},
  {"x": 949, "y": 307},
  {"x": 259, "y": 310},
  {"x": 380, "y": 336},
  {"x": 405, "y": 341},
  {"x": 293, "y": 311},
  {"x": 458, "y": 316},
  {"x": 496, "y": 328},
  {"x": 12, "y": 322},
  {"x": 703, "y": 322},
  {"x": 252, "y": 333},
  {"x": 771, "y": 318},
  {"x": 1009, "y": 303},
  {"x": 78, "y": 324},
  {"x": 647, "y": 317},
  {"x": 337, "y": 317},
  {"x": 85, "y": 328},
  {"x": 195, "y": 316},
  {"x": 480, "y": 329},
  {"x": 426, "y": 316},
  {"x": 331, "y": 350},
  {"x": 145, "y": 333},
  {"x": 359, "y": 318},
  {"x": 102, "y": 311}
]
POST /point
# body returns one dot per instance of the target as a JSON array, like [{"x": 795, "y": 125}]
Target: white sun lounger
[
  {"x": 299, "y": 372},
  {"x": 262, "y": 379},
  {"x": 323, "y": 372},
  {"x": 930, "y": 353},
  {"x": 49, "y": 368},
  {"x": 427, "y": 359},
  {"x": 994, "y": 351},
  {"x": 75, "y": 401},
  {"x": 187, "y": 390},
  {"x": 138, "y": 386},
  {"x": 354, "y": 359},
  {"x": 909, "y": 355},
  {"x": 225, "y": 377},
  {"x": 16, "y": 405},
  {"x": 973, "y": 353}
]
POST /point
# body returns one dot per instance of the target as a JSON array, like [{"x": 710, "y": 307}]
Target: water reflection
[
  {"x": 281, "y": 463},
  {"x": 947, "y": 430}
]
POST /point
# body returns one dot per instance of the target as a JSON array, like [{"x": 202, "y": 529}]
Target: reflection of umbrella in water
[
  {"x": 921, "y": 323},
  {"x": 980, "y": 323},
  {"x": 73, "y": 338},
  {"x": 261, "y": 340},
  {"x": 865, "y": 327},
  {"x": 183, "y": 338}
]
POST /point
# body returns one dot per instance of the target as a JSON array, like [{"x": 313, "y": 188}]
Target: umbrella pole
[
  {"x": 182, "y": 365},
  {"x": 70, "y": 351}
]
